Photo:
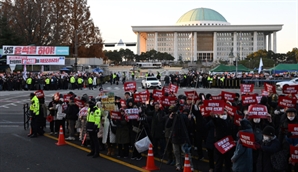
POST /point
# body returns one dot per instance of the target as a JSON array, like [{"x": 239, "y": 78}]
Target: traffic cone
[
  {"x": 150, "y": 160},
  {"x": 61, "y": 140},
  {"x": 187, "y": 167}
]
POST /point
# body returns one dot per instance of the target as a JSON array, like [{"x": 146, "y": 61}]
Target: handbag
[{"x": 143, "y": 144}]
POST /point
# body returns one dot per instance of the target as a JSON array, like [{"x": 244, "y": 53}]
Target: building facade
[{"x": 203, "y": 34}]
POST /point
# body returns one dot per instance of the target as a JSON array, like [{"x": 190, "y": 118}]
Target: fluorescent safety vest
[
  {"x": 72, "y": 79},
  {"x": 47, "y": 81},
  {"x": 80, "y": 80},
  {"x": 90, "y": 81},
  {"x": 29, "y": 81},
  {"x": 35, "y": 105},
  {"x": 94, "y": 116}
]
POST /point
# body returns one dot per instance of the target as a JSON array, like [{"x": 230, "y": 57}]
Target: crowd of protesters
[
  {"x": 174, "y": 129},
  {"x": 57, "y": 81}
]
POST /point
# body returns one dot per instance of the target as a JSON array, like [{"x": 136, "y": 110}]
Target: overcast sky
[{"x": 115, "y": 17}]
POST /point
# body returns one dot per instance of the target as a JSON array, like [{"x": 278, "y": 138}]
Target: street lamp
[{"x": 76, "y": 51}]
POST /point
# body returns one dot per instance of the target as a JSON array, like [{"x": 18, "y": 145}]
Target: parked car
[
  {"x": 151, "y": 82},
  {"x": 280, "y": 85}
]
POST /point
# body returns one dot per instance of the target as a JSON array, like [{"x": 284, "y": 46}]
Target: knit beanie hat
[{"x": 269, "y": 131}]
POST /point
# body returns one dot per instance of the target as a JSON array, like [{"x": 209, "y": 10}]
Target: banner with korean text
[
  {"x": 35, "y": 60},
  {"x": 247, "y": 139},
  {"x": 35, "y": 50},
  {"x": 225, "y": 144}
]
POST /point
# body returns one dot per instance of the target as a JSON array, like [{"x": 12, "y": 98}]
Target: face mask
[
  {"x": 256, "y": 120},
  {"x": 291, "y": 118},
  {"x": 151, "y": 103},
  {"x": 266, "y": 138},
  {"x": 245, "y": 112},
  {"x": 224, "y": 117}
]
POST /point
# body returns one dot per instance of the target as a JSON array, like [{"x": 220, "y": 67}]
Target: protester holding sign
[
  {"x": 224, "y": 127},
  {"x": 288, "y": 132},
  {"x": 242, "y": 158},
  {"x": 122, "y": 136},
  {"x": 269, "y": 146}
]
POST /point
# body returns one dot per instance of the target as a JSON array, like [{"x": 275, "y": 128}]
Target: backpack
[{"x": 279, "y": 160}]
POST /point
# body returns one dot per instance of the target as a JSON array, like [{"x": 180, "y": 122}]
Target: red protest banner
[
  {"x": 39, "y": 94},
  {"x": 264, "y": 93},
  {"x": 216, "y": 106},
  {"x": 165, "y": 89},
  {"x": 294, "y": 153},
  {"x": 269, "y": 88},
  {"x": 237, "y": 119},
  {"x": 158, "y": 94},
  {"x": 219, "y": 97},
  {"x": 231, "y": 110},
  {"x": 247, "y": 139},
  {"x": 225, "y": 144},
  {"x": 249, "y": 99},
  {"x": 67, "y": 97},
  {"x": 123, "y": 103},
  {"x": 228, "y": 96},
  {"x": 168, "y": 101},
  {"x": 115, "y": 115},
  {"x": 258, "y": 98},
  {"x": 192, "y": 95},
  {"x": 141, "y": 96},
  {"x": 246, "y": 88},
  {"x": 79, "y": 103},
  {"x": 173, "y": 88},
  {"x": 203, "y": 111},
  {"x": 257, "y": 111},
  {"x": 130, "y": 86},
  {"x": 290, "y": 89},
  {"x": 285, "y": 101},
  {"x": 293, "y": 128}
]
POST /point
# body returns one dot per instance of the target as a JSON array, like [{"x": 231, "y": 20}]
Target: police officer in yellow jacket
[
  {"x": 34, "y": 111},
  {"x": 90, "y": 83},
  {"x": 92, "y": 126}
]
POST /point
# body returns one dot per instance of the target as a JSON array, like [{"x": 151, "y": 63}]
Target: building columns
[
  {"x": 255, "y": 42},
  {"x": 176, "y": 46},
  {"x": 138, "y": 43},
  {"x": 265, "y": 41},
  {"x": 155, "y": 41},
  {"x": 234, "y": 47},
  {"x": 269, "y": 41},
  {"x": 274, "y": 42},
  {"x": 195, "y": 47},
  {"x": 214, "y": 46}
]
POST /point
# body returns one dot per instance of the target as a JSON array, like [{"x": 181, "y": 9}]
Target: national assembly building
[{"x": 203, "y": 34}]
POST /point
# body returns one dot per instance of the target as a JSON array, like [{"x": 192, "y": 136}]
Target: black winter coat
[
  {"x": 72, "y": 111},
  {"x": 264, "y": 158},
  {"x": 179, "y": 135}
]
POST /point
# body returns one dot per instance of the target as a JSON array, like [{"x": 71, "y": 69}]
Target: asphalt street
[{"x": 20, "y": 153}]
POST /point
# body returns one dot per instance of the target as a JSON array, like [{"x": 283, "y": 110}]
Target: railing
[{"x": 27, "y": 116}]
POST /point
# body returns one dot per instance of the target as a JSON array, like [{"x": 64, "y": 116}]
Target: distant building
[{"x": 203, "y": 34}]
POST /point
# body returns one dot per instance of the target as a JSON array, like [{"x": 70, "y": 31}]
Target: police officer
[
  {"x": 34, "y": 111},
  {"x": 92, "y": 126},
  {"x": 90, "y": 83}
]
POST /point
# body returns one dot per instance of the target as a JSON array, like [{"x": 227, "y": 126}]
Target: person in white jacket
[{"x": 109, "y": 138}]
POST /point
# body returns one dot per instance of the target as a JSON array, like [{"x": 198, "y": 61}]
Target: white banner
[
  {"x": 36, "y": 50},
  {"x": 35, "y": 60}
]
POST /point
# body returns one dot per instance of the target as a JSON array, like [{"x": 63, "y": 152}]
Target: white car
[
  {"x": 280, "y": 85},
  {"x": 151, "y": 82}
]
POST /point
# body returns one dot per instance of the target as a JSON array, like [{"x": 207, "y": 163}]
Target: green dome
[{"x": 201, "y": 14}]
